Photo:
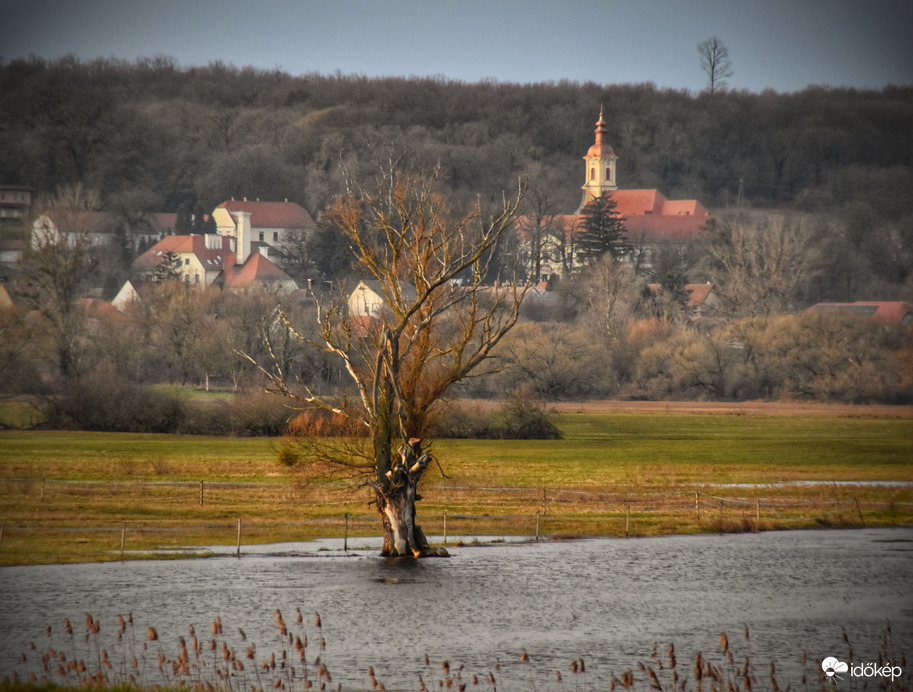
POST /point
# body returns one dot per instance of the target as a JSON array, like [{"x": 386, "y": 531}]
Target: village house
[
  {"x": 231, "y": 262},
  {"x": 99, "y": 228},
  {"x": 650, "y": 219},
  {"x": 702, "y": 302},
  {"x": 127, "y": 295},
  {"x": 15, "y": 201},
  {"x": 367, "y": 299},
  {"x": 271, "y": 223}
]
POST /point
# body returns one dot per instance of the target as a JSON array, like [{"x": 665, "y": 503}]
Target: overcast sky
[{"x": 780, "y": 44}]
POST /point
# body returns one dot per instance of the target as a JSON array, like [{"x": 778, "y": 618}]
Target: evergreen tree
[
  {"x": 204, "y": 224},
  {"x": 602, "y": 230},
  {"x": 169, "y": 268},
  {"x": 183, "y": 225}
]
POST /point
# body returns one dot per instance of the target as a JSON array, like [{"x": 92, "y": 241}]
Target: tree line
[
  {"x": 606, "y": 332},
  {"x": 151, "y": 134}
]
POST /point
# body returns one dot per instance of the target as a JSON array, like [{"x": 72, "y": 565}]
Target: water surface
[{"x": 605, "y": 600}]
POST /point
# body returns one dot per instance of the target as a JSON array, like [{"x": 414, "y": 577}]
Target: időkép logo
[{"x": 833, "y": 668}]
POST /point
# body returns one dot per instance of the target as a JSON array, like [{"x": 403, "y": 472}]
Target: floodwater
[{"x": 608, "y": 601}]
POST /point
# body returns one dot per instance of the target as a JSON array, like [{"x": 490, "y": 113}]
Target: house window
[
  {"x": 187, "y": 262},
  {"x": 276, "y": 236},
  {"x": 261, "y": 236},
  {"x": 608, "y": 173}
]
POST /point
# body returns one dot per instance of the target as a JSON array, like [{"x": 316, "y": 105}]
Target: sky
[{"x": 784, "y": 45}]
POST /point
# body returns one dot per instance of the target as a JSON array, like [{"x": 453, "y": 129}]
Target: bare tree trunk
[{"x": 396, "y": 497}]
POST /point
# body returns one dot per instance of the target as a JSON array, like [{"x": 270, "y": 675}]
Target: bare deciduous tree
[
  {"x": 610, "y": 293},
  {"x": 715, "y": 62},
  {"x": 56, "y": 266},
  {"x": 437, "y": 325},
  {"x": 539, "y": 225},
  {"x": 760, "y": 267}
]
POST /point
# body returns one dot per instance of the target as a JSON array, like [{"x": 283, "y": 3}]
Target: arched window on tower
[
  {"x": 608, "y": 173},
  {"x": 592, "y": 174}
]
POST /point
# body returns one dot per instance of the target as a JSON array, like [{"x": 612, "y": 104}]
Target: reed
[{"x": 115, "y": 659}]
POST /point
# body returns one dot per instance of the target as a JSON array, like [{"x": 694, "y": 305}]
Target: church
[{"x": 650, "y": 220}]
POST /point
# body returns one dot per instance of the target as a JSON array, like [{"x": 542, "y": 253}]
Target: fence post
[
  {"x": 627, "y": 516},
  {"x": 201, "y": 493},
  {"x": 757, "y": 513},
  {"x": 123, "y": 540},
  {"x": 859, "y": 509},
  {"x": 345, "y": 539},
  {"x": 544, "y": 505},
  {"x": 721, "y": 517},
  {"x": 697, "y": 505},
  {"x": 537, "y": 526},
  {"x": 1, "y": 535},
  {"x": 238, "y": 553}
]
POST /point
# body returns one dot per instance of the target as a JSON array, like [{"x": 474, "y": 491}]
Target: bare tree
[
  {"x": 56, "y": 268},
  {"x": 611, "y": 296},
  {"x": 760, "y": 267},
  {"x": 715, "y": 62},
  {"x": 297, "y": 248},
  {"x": 438, "y": 324},
  {"x": 539, "y": 225}
]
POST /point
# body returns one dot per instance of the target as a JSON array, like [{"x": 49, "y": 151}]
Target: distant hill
[{"x": 150, "y": 134}]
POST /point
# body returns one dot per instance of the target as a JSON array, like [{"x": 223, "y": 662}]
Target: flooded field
[{"x": 608, "y": 601}]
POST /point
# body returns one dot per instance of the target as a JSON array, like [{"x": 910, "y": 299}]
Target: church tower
[{"x": 600, "y": 166}]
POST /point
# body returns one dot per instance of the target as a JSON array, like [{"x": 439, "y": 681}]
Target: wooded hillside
[{"x": 153, "y": 136}]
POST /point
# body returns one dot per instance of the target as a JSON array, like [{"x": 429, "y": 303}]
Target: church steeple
[{"x": 600, "y": 165}]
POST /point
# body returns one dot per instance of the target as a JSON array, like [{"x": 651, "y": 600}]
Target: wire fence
[{"x": 504, "y": 510}]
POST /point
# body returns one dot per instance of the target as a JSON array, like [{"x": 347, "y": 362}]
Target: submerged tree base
[
  {"x": 396, "y": 496},
  {"x": 439, "y": 551}
]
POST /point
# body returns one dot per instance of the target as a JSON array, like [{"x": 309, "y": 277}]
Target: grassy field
[{"x": 70, "y": 496}]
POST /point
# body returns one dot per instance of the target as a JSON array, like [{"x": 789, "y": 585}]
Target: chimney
[{"x": 242, "y": 236}]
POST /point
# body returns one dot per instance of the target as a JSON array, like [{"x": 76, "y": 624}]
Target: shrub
[
  {"x": 520, "y": 418},
  {"x": 259, "y": 414},
  {"x": 108, "y": 402},
  {"x": 316, "y": 422},
  {"x": 287, "y": 456}
]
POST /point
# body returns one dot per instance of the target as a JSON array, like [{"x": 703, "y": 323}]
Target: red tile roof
[
  {"x": 886, "y": 312},
  {"x": 648, "y": 217},
  {"x": 256, "y": 269},
  {"x": 211, "y": 259},
  {"x": 272, "y": 214},
  {"x": 654, "y": 228},
  {"x": 638, "y": 202},
  {"x": 684, "y": 207},
  {"x": 697, "y": 293}
]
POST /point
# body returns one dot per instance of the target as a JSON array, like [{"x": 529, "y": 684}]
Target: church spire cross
[{"x": 601, "y": 129}]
